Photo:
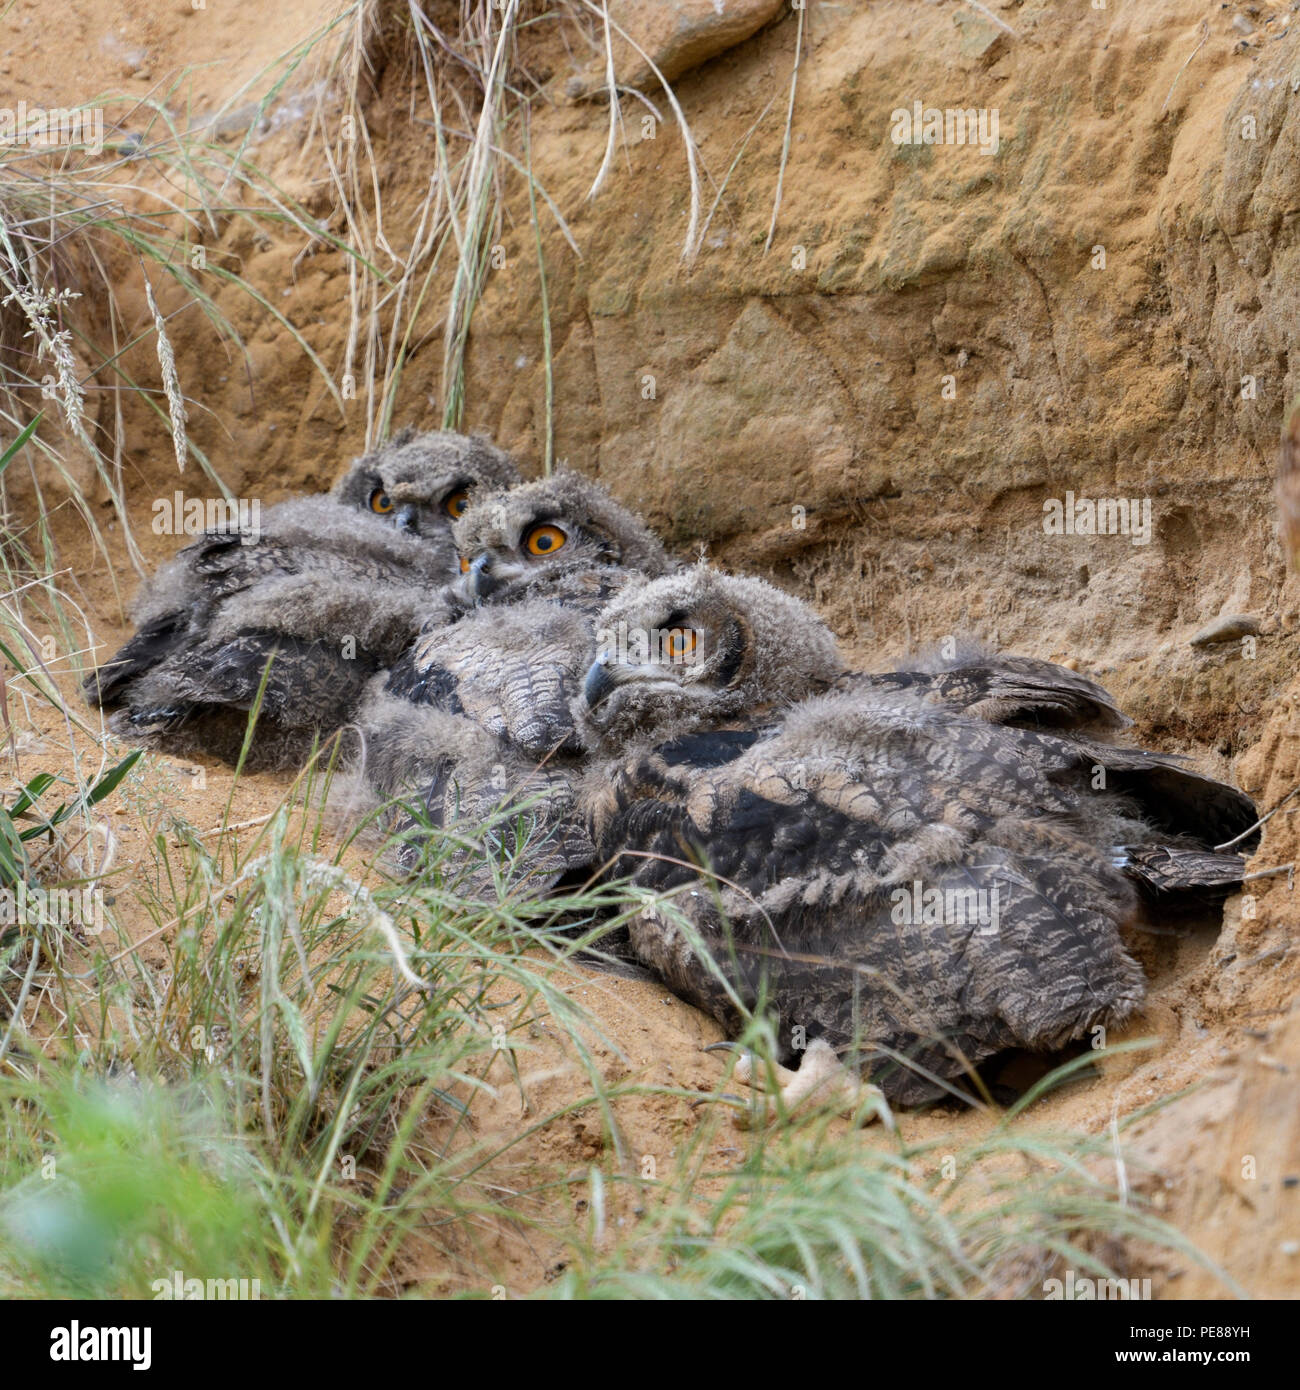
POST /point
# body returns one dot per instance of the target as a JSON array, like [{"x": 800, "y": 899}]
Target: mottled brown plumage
[
  {"x": 327, "y": 591},
  {"x": 1001, "y": 689},
  {"x": 912, "y": 884},
  {"x": 476, "y": 717}
]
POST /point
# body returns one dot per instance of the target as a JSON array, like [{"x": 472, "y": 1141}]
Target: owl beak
[
  {"x": 406, "y": 518},
  {"x": 599, "y": 684},
  {"x": 481, "y": 580}
]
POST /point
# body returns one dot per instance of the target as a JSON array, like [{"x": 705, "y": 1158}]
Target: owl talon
[
  {"x": 363, "y": 563},
  {"x": 162, "y": 718},
  {"x": 821, "y": 1078}
]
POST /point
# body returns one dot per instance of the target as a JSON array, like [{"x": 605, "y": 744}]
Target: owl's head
[
  {"x": 696, "y": 648},
  {"x": 515, "y": 540},
  {"x": 423, "y": 483}
]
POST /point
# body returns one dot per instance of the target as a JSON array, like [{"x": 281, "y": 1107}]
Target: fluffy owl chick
[
  {"x": 477, "y": 717},
  {"x": 539, "y": 561},
  {"x": 563, "y": 538},
  {"x": 328, "y": 590},
  {"x": 907, "y": 883},
  {"x": 697, "y": 650},
  {"x": 424, "y": 768}
]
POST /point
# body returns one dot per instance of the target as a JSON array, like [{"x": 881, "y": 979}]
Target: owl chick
[
  {"x": 562, "y": 537},
  {"x": 893, "y": 878},
  {"x": 327, "y": 591},
  {"x": 477, "y": 716}
]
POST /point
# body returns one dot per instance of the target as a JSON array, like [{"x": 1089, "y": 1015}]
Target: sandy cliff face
[{"x": 938, "y": 342}]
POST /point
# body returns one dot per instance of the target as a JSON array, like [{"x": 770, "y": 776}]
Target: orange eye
[
  {"x": 457, "y": 504},
  {"x": 380, "y": 501},
  {"x": 545, "y": 540},
  {"x": 679, "y": 644},
  {"x": 464, "y": 565}
]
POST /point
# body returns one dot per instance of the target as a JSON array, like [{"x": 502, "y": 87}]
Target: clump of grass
[
  {"x": 476, "y": 93},
  {"x": 478, "y": 97},
  {"x": 112, "y": 1183},
  {"x": 147, "y": 210},
  {"x": 820, "y": 1215}
]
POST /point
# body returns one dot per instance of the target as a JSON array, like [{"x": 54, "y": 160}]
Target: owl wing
[
  {"x": 514, "y": 671},
  {"x": 314, "y": 570},
  {"x": 799, "y": 865},
  {"x": 178, "y": 606},
  {"x": 1006, "y": 690},
  {"x": 1036, "y": 695},
  {"x": 1181, "y": 816},
  {"x": 147, "y": 648},
  {"x": 309, "y": 687},
  {"x": 1175, "y": 869}
]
